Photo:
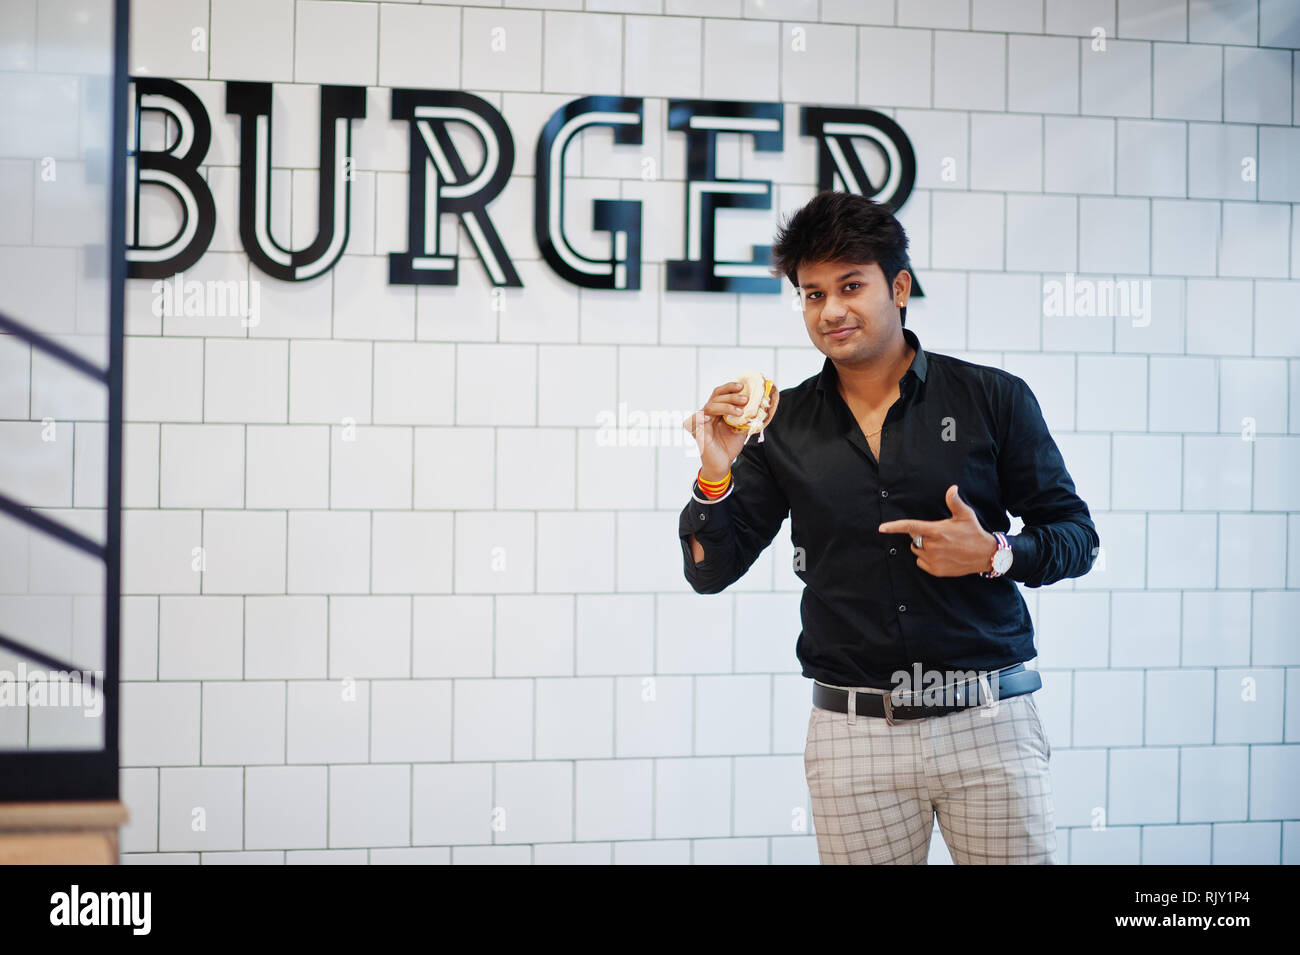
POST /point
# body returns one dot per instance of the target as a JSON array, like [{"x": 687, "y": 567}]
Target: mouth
[{"x": 841, "y": 333}]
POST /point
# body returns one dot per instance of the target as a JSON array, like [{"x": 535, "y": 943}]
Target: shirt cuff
[
  {"x": 708, "y": 522},
  {"x": 1024, "y": 556}
]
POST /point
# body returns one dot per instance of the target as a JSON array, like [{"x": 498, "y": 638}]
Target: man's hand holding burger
[
  {"x": 720, "y": 440},
  {"x": 735, "y": 411}
]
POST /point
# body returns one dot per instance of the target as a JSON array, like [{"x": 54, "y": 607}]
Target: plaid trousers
[{"x": 984, "y": 770}]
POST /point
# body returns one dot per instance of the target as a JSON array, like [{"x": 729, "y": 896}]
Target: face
[{"x": 851, "y": 310}]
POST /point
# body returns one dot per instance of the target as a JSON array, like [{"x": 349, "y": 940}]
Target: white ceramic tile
[
  {"x": 264, "y": 54},
  {"x": 335, "y": 42},
  {"x": 1188, "y": 81},
  {"x": 1223, "y": 21}
]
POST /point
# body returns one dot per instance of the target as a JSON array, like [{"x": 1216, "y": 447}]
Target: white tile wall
[
  {"x": 161, "y": 551},
  {"x": 1188, "y": 82},
  {"x": 390, "y": 600},
  {"x": 1223, "y": 21},
  {"x": 285, "y": 807}
]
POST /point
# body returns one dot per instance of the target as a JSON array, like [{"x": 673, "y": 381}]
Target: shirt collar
[{"x": 829, "y": 377}]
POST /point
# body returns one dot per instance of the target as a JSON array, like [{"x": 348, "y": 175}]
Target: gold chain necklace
[{"x": 871, "y": 433}]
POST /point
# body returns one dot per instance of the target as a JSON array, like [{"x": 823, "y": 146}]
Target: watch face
[{"x": 1002, "y": 560}]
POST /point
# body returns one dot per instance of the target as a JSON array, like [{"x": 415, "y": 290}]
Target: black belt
[{"x": 1012, "y": 681}]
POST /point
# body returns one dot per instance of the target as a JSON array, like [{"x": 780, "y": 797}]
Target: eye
[
  {"x": 811, "y": 295},
  {"x": 853, "y": 286}
]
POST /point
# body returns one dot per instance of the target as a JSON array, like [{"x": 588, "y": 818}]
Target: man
[{"x": 897, "y": 467}]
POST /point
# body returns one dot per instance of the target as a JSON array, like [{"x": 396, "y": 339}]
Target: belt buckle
[{"x": 889, "y": 712}]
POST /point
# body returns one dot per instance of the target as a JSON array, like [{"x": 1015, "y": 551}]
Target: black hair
[{"x": 841, "y": 226}]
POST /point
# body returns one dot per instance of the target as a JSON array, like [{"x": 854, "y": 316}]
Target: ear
[{"x": 902, "y": 287}]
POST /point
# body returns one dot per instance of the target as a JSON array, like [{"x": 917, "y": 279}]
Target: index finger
[{"x": 906, "y": 527}]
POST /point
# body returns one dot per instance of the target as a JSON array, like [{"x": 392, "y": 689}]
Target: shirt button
[
  {"x": 893, "y": 550},
  {"x": 884, "y": 493},
  {"x": 902, "y": 608},
  {"x": 702, "y": 517}
]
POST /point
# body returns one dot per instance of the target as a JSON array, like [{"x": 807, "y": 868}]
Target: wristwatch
[{"x": 1001, "y": 557}]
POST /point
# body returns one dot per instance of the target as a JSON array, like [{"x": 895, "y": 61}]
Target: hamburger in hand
[
  {"x": 735, "y": 411},
  {"x": 757, "y": 392}
]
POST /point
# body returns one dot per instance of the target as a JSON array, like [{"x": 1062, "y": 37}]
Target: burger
[{"x": 758, "y": 393}]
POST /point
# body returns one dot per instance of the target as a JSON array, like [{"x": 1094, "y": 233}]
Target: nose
[{"x": 835, "y": 309}]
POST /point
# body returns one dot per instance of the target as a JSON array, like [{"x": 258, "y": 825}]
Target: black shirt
[{"x": 868, "y": 611}]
